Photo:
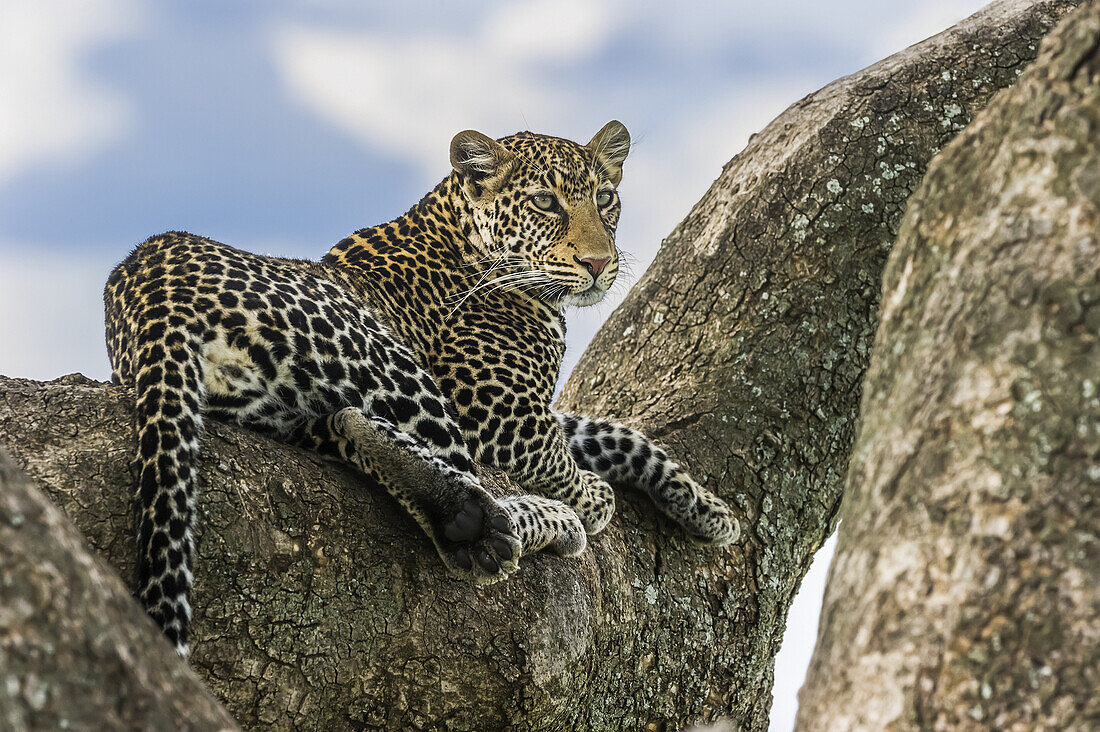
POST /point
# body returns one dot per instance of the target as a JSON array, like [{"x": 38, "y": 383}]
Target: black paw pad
[
  {"x": 462, "y": 559},
  {"x": 466, "y": 525},
  {"x": 486, "y": 561},
  {"x": 502, "y": 548},
  {"x": 501, "y": 523}
]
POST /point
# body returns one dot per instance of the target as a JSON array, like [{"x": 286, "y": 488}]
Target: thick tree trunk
[
  {"x": 319, "y": 604},
  {"x": 966, "y": 588},
  {"x": 744, "y": 345},
  {"x": 76, "y": 651}
]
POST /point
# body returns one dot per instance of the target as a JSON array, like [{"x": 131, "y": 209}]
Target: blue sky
[{"x": 282, "y": 126}]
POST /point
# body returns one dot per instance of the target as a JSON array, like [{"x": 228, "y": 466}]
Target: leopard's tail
[
  {"x": 169, "y": 394},
  {"x": 624, "y": 456},
  {"x": 152, "y": 350}
]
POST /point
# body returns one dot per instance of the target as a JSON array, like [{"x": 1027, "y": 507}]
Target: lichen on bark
[{"x": 965, "y": 593}]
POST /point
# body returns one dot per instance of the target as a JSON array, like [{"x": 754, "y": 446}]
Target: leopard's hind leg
[{"x": 425, "y": 485}]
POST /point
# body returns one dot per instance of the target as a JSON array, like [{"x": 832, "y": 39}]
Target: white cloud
[
  {"x": 918, "y": 21},
  {"x": 52, "y": 109},
  {"x": 547, "y": 29},
  {"x": 670, "y": 171},
  {"x": 406, "y": 95},
  {"x": 870, "y": 29}
]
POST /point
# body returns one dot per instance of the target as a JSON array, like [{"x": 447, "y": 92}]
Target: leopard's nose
[{"x": 594, "y": 265}]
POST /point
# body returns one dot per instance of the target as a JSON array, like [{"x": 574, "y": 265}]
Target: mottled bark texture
[
  {"x": 319, "y": 604},
  {"x": 965, "y": 593},
  {"x": 745, "y": 344},
  {"x": 76, "y": 651}
]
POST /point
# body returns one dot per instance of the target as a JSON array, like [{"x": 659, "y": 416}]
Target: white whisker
[
  {"x": 476, "y": 285},
  {"x": 519, "y": 280}
]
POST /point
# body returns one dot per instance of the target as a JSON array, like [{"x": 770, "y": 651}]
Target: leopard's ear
[
  {"x": 611, "y": 145},
  {"x": 486, "y": 163}
]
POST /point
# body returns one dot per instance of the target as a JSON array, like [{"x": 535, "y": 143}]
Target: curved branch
[{"x": 745, "y": 344}]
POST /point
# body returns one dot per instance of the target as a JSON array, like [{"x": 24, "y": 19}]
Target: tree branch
[
  {"x": 745, "y": 344},
  {"x": 76, "y": 651}
]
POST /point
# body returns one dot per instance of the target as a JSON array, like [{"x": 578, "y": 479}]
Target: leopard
[{"x": 435, "y": 339}]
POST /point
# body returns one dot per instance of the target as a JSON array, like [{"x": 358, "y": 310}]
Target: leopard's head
[{"x": 545, "y": 209}]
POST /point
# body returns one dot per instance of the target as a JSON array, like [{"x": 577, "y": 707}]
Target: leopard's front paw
[
  {"x": 477, "y": 540},
  {"x": 705, "y": 517},
  {"x": 546, "y": 524}
]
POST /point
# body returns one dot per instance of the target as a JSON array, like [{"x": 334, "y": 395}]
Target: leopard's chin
[{"x": 584, "y": 298}]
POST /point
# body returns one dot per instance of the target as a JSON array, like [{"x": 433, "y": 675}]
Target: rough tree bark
[
  {"x": 743, "y": 347},
  {"x": 965, "y": 592},
  {"x": 76, "y": 652}
]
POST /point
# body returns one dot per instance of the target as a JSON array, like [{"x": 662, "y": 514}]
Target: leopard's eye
[
  {"x": 545, "y": 201},
  {"x": 603, "y": 198}
]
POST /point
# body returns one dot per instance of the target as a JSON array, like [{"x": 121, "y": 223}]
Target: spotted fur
[{"x": 437, "y": 336}]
